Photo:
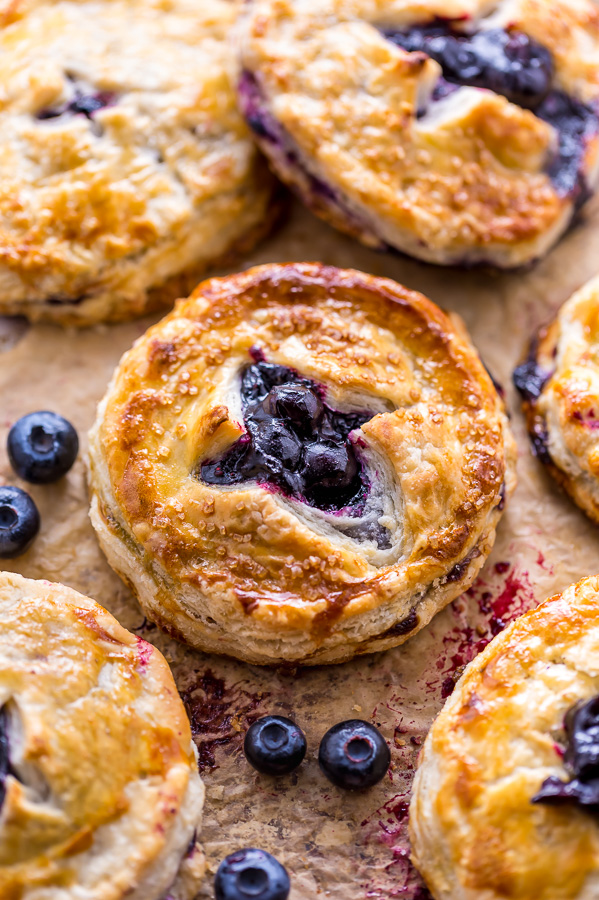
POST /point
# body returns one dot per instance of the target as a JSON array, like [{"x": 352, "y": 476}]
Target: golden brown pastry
[
  {"x": 559, "y": 384},
  {"x": 459, "y": 132},
  {"x": 506, "y": 795},
  {"x": 125, "y": 168},
  {"x": 299, "y": 464},
  {"x": 100, "y": 797}
]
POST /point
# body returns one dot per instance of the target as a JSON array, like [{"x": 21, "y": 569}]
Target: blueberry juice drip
[
  {"x": 581, "y": 757},
  {"x": 511, "y": 64},
  {"x": 293, "y": 442}
]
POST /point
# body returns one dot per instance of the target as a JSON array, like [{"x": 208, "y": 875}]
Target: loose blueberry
[
  {"x": 42, "y": 447},
  {"x": 293, "y": 440},
  {"x": 354, "y": 755},
  {"x": 581, "y": 758},
  {"x": 274, "y": 745},
  {"x": 19, "y": 521},
  {"x": 251, "y": 875}
]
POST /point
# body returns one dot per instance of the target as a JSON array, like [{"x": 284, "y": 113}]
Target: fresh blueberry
[
  {"x": 274, "y": 745},
  {"x": 251, "y": 875},
  {"x": 42, "y": 447},
  {"x": 19, "y": 521},
  {"x": 354, "y": 754}
]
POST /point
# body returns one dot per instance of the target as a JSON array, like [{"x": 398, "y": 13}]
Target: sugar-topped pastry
[
  {"x": 559, "y": 385},
  {"x": 125, "y": 168},
  {"x": 506, "y": 796},
  {"x": 100, "y": 797},
  {"x": 459, "y": 132},
  {"x": 299, "y": 464}
]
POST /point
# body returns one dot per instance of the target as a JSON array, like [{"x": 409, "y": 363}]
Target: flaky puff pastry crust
[
  {"x": 108, "y": 216},
  {"x": 475, "y": 833},
  {"x": 560, "y": 383},
  {"x": 338, "y": 109},
  {"x": 103, "y": 798},
  {"x": 245, "y": 571}
]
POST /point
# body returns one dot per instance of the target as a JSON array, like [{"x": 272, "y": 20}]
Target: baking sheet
[{"x": 335, "y": 844}]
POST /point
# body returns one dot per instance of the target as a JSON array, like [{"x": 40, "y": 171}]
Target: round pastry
[
  {"x": 125, "y": 167},
  {"x": 559, "y": 384},
  {"x": 458, "y": 132},
  {"x": 100, "y": 797},
  {"x": 506, "y": 795},
  {"x": 299, "y": 464}
]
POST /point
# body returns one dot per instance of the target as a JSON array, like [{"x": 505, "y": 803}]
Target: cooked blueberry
[
  {"x": 294, "y": 402},
  {"x": 19, "y": 521},
  {"x": 251, "y": 875},
  {"x": 354, "y": 755},
  {"x": 274, "y": 745},
  {"x": 293, "y": 441},
  {"x": 42, "y": 447},
  {"x": 581, "y": 758}
]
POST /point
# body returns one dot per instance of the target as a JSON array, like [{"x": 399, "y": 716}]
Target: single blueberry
[
  {"x": 42, "y": 447},
  {"x": 251, "y": 875},
  {"x": 19, "y": 521},
  {"x": 354, "y": 755},
  {"x": 275, "y": 442},
  {"x": 274, "y": 745},
  {"x": 330, "y": 465},
  {"x": 295, "y": 403}
]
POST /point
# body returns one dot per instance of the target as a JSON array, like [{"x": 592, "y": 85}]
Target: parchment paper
[{"x": 335, "y": 844}]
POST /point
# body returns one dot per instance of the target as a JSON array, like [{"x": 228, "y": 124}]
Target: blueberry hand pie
[
  {"x": 559, "y": 384},
  {"x": 100, "y": 797},
  {"x": 506, "y": 797},
  {"x": 298, "y": 464},
  {"x": 457, "y": 132},
  {"x": 125, "y": 167}
]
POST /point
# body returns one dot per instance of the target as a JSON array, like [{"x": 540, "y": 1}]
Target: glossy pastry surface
[
  {"x": 100, "y": 797},
  {"x": 459, "y": 133},
  {"x": 496, "y": 810},
  {"x": 125, "y": 168},
  {"x": 299, "y": 463},
  {"x": 559, "y": 385}
]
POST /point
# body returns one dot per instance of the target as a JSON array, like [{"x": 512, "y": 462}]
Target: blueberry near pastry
[
  {"x": 127, "y": 170},
  {"x": 99, "y": 789},
  {"x": 559, "y": 386},
  {"x": 298, "y": 464},
  {"x": 506, "y": 795},
  {"x": 459, "y": 134},
  {"x": 274, "y": 745},
  {"x": 42, "y": 447},
  {"x": 249, "y": 874},
  {"x": 19, "y": 521},
  {"x": 354, "y": 755}
]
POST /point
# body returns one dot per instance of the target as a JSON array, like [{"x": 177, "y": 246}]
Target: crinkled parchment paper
[{"x": 335, "y": 844}]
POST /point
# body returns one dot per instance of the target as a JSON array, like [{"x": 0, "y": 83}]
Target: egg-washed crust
[
  {"x": 464, "y": 186},
  {"x": 475, "y": 833},
  {"x": 109, "y": 217},
  {"x": 244, "y": 571},
  {"x": 563, "y": 419},
  {"x": 104, "y": 800}
]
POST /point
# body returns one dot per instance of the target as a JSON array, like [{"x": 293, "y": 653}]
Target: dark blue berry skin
[
  {"x": 42, "y": 447},
  {"x": 354, "y": 755},
  {"x": 274, "y": 745},
  {"x": 293, "y": 441},
  {"x": 251, "y": 875},
  {"x": 19, "y": 522}
]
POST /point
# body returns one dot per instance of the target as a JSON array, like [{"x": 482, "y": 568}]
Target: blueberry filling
[
  {"x": 530, "y": 379},
  {"x": 82, "y": 104},
  {"x": 294, "y": 441},
  {"x": 510, "y": 63},
  {"x": 581, "y": 758},
  {"x": 4, "y": 754}
]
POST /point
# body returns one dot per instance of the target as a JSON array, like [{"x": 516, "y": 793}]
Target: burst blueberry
[
  {"x": 19, "y": 521},
  {"x": 354, "y": 755},
  {"x": 274, "y": 745},
  {"x": 251, "y": 874},
  {"x": 42, "y": 447}
]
